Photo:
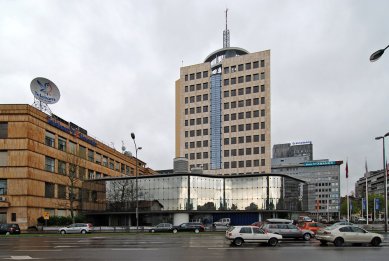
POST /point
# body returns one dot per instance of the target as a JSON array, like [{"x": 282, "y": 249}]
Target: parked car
[
  {"x": 257, "y": 224},
  {"x": 312, "y": 226},
  {"x": 82, "y": 228},
  {"x": 238, "y": 235},
  {"x": 190, "y": 226},
  {"x": 339, "y": 235},
  {"x": 304, "y": 219},
  {"x": 278, "y": 221},
  {"x": 8, "y": 229},
  {"x": 222, "y": 222},
  {"x": 162, "y": 227},
  {"x": 288, "y": 231}
]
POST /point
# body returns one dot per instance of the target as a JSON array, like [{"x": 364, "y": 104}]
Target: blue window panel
[{"x": 216, "y": 121}]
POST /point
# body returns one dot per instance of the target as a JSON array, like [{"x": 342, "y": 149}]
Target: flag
[
  {"x": 367, "y": 171},
  {"x": 346, "y": 169},
  {"x": 387, "y": 170}
]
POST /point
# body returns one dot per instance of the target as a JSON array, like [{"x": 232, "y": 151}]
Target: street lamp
[
  {"x": 376, "y": 55},
  {"x": 136, "y": 181},
  {"x": 385, "y": 178}
]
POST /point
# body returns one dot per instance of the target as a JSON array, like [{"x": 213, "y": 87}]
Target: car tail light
[
  {"x": 229, "y": 234},
  {"x": 327, "y": 233}
]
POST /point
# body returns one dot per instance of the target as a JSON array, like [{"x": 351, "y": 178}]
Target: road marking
[
  {"x": 233, "y": 248},
  {"x": 38, "y": 250},
  {"x": 132, "y": 249},
  {"x": 63, "y": 246},
  {"x": 20, "y": 258}
]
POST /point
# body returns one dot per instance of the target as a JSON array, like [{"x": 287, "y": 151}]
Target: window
[
  {"x": 233, "y": 116},
  {"x": 49, "y": 164},
  {"x": 256, "y": 163},
  {"x": 262, "y": 100},
  {"x": 263, "y": 162},
  {"x": 248, "y": 90},
  {"x": 191, "y": 99},
  {"x": 233, "y": 164},
  {"x": 233, "y": 80},
  {"x": 241, "y": 91},
  {"x": 198, "y": 98},
  {"x": 262, "y": 125},
  {"x": 198, "y": 109},
  {"x": 226, "y": 129},
  {"x": 205, "y": 97},
  {"x": 226, "y": 153},
  {"x": 262, "y": 63},
  {"x": 192, "y": 144},
  {"x": 233, "y": 140},
  {"x": 226, "y": 165},
  {"x": 233, "y": 68},
  {"x": 3, "y": 158},
  {"x": 226, "y": 117},
  {"x": 198, "y": 132},
  {"x": 82, "y": 152},
  {"x": 205, "y": 143},
  {"x": 262, "y": 137},
  {"x": 105, "y": 161},
  {"x": 205, "y": 120},
  {"x": 248, "y": 78},
  {"x": 262, "y": 88},
  {"x": 240, "y": 67},
  {"x": 186, "y": 88},
  {"x": 248, "y": 163},
  {"x": 191, "y": 76},
  {"x": 61, "y": 143},
  {"x": 233, "y": 128},
  {"x": 255, "y": 89},
  {"x": 198, "y": 75},
  {"x": 192, "y": 133},
  {"x": 3, "y": 130},
  {"x": 226, "y": 105},
  {"x": 262, "y": 150},
  {"x": 240, "y": 79},
  {"x": 205, "y": 85},
  {"x": 262, "y": 113},
  {"x": 248, "y": 126},
  {"x": 91, "y": 155},
  {"x": 205, "y": 108},
  {"x": 13, "y": 217},
  {"x": 198, "y": 144},
  {"x": 248, "y": 114},
  {"x": 198, "y": 87},
  {"x": 198, "y": 121},
  {"x": 72, "y": 170},
  {"x": 256, "y": 126},
  {"x": 61, "y": 167},
  {"x": 248, "y": 150},
  {"x": 256, "y": 113},
  {"x": 50, "y": 139},
  {"x": 233, "y": 152},
  {"x": 233, "y": 105},
  {"x": 255, "y": 64},
  {"x": 98, "y": 158},
  {"x": 241, "y": 164},
  {"x": 192, "y": 122},
  {"x": 198, "y": 155},
  {"x": 241, "y": 104},
  {"x": 186, "y": 77},
  {"x": 72, "y": 147},
  {"x": 3, "y": 187},
  {"x": 256, "y": 150},
  {"x": 248, "y": 66},
  {"x": 205, "y": 74},
  {"x": 241, "y": 127},
  {"x": 226, "y": 141},
  {"x": 61, "y": 191},
  {"x": 241, "y": 152},
  {"x": 111, "y": 164},
  {"x": 226, "y": 69},
  {"x": 205, "y": 131},
  {"x": 241, "y": 139},
  {"x": 226, "y": 82},
  {"x": 262, "y": 76},
  {"x": 205, "y": 155},
  {"x": 256, "y": 101},
  {"x": 226, "y": 94},
  {"x": 256, "y": 77},
  {"x": 186, "y": 100},
  {"x": 191, "y": 110},
  {"x": 256, "y": 138},
  {"x": 49, "y": 190}
]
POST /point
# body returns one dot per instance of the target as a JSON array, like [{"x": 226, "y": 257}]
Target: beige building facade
[
  {"x": 223, "y": 117},
  {"x": 44, "y": 161}
]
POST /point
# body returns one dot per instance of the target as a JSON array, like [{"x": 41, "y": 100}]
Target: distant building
[
  {"x": 375, "y": 184},
  {"x": 294, "y": 149},
  {"x": 322, "y": 176}
]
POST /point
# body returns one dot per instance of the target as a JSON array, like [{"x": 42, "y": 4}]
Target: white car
[
  {"x": 238, "y": 235},
  {"x": 340, "y": 235},
  {"x": 222, "y": 222},
  {"x": 82, "y": 228}
]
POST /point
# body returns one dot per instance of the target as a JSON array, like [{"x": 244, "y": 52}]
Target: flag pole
[
  {"x": 367, "y": 196},
  {"x": 348, "y": 201}
]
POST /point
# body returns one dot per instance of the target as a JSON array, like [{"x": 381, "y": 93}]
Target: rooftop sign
[{"x": 319, "y": 163}]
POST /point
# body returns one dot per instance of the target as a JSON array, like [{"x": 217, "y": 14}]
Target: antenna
[
  {"x": 226, "y": 34},
  {"x": 123, "y": 147}
]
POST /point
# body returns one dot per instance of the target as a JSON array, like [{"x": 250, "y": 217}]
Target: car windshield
[{"x": 230, "y": 228}]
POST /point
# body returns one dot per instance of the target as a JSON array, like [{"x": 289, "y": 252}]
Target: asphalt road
[{"x": 182, "y": 246}]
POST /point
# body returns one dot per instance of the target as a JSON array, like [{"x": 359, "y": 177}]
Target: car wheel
[
  {"x": 323, "y": 242},
  {"x": 307, "y": 236},
  {"x": 175, "y": 231},
  {"x": 338, "y": 241},
  {"x": 63, "y": 232},
  {"x": 152, "y": 231},
  {"x": 83, "y": 231},
  {"x": 238, "y": 241},
  {"x": 8, "y": 233},
  {"x": 376, "y": 241},
  {"x": 197, "y": 231},
  {"x": 273, "y": 242}
]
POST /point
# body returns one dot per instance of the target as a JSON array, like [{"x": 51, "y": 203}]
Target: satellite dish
[{"x": 45, "y": 90}]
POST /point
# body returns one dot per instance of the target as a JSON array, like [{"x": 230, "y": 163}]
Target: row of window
[
  {"x": 199, "y": 87},
  {"x": 227, "y": 153},
  {"x": 240, "y": 67},
  {"x": 64, "y": 192},
  {"x": 64, "y": 168},
  {"x": 3, "y": 130},
  {"x": 68, "y": 146},
  {"x": 198, "y": 75},
  {"x": 227, "y": 93},
  {"x": 243, "y": 164},
  {"x": 243, "y": 79}
]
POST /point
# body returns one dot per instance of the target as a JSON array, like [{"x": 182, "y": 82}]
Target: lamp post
[
  {"x": 136, "y": 181},
  {"x": 385, "y": 179},
  {"x": 377, "y": 54}
]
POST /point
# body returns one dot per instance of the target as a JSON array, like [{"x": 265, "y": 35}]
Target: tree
[
  {"x": 121, "y": 194},
  {"x": 74, "y": 182}
]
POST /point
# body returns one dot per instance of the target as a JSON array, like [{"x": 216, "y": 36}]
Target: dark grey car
[{"x": 288, "y": 231}]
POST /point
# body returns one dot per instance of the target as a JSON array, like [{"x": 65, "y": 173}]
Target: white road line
[
  {"x": 232, "y": 248},
  {"x": 134, "y": 249},
  {"x": 38, "y": 250},
  {"x": 64, "y": 246}
]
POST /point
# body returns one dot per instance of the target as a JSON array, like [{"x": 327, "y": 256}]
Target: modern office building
[
  {"x": 182, "y": 197},
  {"x": 223, "y": 112},
  {"x": 375, "y": 184},
  {"x": 44, "y": 161},
  {"x": 294, "y": 149},
  {"x": 323, "y": 178}
]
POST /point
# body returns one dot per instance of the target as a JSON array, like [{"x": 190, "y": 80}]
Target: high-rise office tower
[{"x": 223, "y": 112}]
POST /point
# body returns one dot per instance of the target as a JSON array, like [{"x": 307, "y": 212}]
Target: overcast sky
[{"x": 116, "y": 63}]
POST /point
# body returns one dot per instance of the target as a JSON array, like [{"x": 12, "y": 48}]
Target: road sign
[{"x": 46, "y": 215}]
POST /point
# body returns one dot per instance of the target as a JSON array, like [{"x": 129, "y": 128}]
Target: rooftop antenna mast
[{"x": 226, "y": 34}]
